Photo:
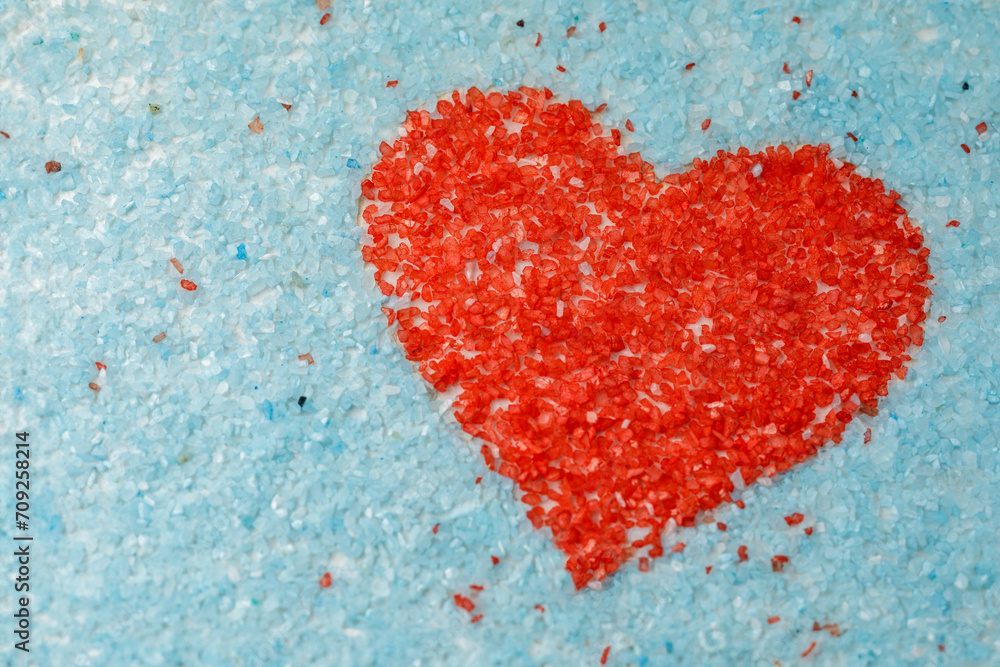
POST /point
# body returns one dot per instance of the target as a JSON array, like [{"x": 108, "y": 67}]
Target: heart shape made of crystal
[{"x": 629, "y": 349}]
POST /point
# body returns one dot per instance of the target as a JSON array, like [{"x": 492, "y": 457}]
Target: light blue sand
[{"x": 184, "y": 514}]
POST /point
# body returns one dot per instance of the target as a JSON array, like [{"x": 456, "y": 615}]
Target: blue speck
[
  {"x": 55, "y": 523},
  {"x": 241, "y": 251},
  {"x": 247, "y": 521},
  {"x": 992, "y": 397},
  {"x": 670, "y": 647},
  {"x": 352, "y": 163},
  {"x": 18, "y": 394},
  {"x": 374, "y": 350},
  {"x": 267, "y": 409}
]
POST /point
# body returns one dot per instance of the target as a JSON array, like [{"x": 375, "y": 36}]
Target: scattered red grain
[
  {"x": 851, "y": 135},
  {"x": 784, "y": 68},
  {"x": 602, "y": 26},
  {"x": 476, "y": 618},
  {"x": 794, "y": 519},
  {"x": 809, "y": 650},
  {"x": 496, "y": 561},
  {"x": 809, "y": 78},
  {"x": 601, "y": 108},
  {"x": 560, "y": 68},
  {"x": 981, "y": 128},
  {"x": 540, "y": 608},
  {"x": 796, "y": 94},
  {"x": 742, "y": 505},
  {"x": 100, "y": 366},
  {"x": 942, "y": 318},
  {"x": 706, "y": 123},
  {"x": 604, "y": 656},
  {"x": 94, "y": 386},
  {"x": 742, "y": 553},
  {"x": 159, "y": 337},
  {"x": 5, "y": 135},
  {"x": 478, "y": 480},
  {"x": 689, "y": 66},
  {"x": 538, "y": 41},
  {"x": 476, "y": 587},
  {"x": 325, "y": 18},
  {"x": 629, "y": 126},
  {"x": 188, "y": 285},
  {"x": 953, "y": 223},
  {"x": 708, "y": 570},
  {"x": 582, "y": 361},
  {"x": 721, "y": 526},
  {"x": 771, "y": 620},
  {"x": 326, "y": 580},
  {"x": 644, "y": 564},
  {"x": 307, "y": 357},
  {"x": 288, "y": 107},
  {"x": 391, "y": 84},
  {"x": 256, "y": 126},
  {"x": 809, "y": 530},
  {"x": 679, "y": 547},
  {"x": 52, "y": 167},
  {"x": 796, "y": 19},
  {"x": 322, "y": 5},
  {"x": 177, "y": 265},
  {"x": 833, "y": 628},
  {"x": 570, "y": 31},
  {"x": 941, "y": 648},
  {"x": 854, "y": 93},
  {"x": 778, "y": 563},
  {"x": 463, "y": 602},
  {"x": 966, "y": 148},
  {"x": 435, "y": 528}
]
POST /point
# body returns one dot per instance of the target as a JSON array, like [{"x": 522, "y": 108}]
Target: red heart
[{"x": 624, "y": 346}]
